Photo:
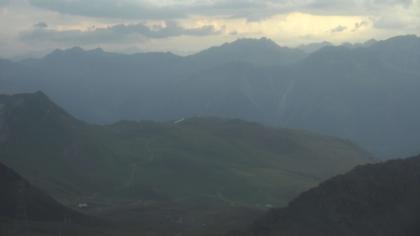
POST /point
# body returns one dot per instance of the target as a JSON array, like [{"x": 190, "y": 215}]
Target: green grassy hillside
[{"x": 233, "y": 161}]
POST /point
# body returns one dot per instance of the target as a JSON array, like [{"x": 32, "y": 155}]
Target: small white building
[
  {"x": 179, "y": 121},
  {"x": 82, "y": 205}
]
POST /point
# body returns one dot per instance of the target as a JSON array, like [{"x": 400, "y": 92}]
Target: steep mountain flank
[{"x": 377, "y": 199}]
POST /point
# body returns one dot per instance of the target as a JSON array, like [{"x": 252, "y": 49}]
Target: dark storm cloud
[
  {"x": 115, "y": 33},
  {"x": 252, "y": 9},
  {"x": 128, "y": 9},
  {"x": 141, "y": 9},
  {"x": 170, "y": 30}
]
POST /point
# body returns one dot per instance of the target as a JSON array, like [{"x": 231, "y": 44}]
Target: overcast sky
[{"x": 185, "y": 26}]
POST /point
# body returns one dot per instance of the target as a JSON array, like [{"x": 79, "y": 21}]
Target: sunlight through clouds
[
  {"x": 292, "y": 27},
  {"x": 288, "y": 22}
]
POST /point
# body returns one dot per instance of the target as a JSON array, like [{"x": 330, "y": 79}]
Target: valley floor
[{"x": 148, "y": 219}]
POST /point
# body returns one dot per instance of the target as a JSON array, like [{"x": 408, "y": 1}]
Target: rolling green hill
[{"x": 232, "y": 161}]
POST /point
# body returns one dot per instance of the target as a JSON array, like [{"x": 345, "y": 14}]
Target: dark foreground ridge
[
  {"x": 377, "y": 199},
  {"x": 19, "y": 200},
  {"x": 26, "y": 209}
]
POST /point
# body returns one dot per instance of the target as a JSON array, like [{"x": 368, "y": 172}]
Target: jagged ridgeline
[
  {"x": 197, "y": 158},
  {"x": 362, "y": 92}
]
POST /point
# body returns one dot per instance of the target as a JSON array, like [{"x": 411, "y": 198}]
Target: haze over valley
[
  {"x": 362, "y": 92},
  {"x": 209, "y": 118}
]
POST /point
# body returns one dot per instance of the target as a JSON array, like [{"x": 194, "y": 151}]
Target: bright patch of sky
[{"x": 34, "y": 27}]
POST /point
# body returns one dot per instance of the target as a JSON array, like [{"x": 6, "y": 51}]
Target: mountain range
[{"x": 362, "y": 92}]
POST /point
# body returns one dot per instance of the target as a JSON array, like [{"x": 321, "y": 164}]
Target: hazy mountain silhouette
[
  {"x": 378, "y": 199},
  {"x": 260, "y": 52},
  {"x": 364, "y": 94},
  {"x": 313, "y": 47},
  {"x": 359, "y": 92}
]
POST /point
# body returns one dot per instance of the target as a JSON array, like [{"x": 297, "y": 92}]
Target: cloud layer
[
  {"x": 170, "y": 9},
  {"x": 114, "y": 33},
  {"x": 40, "y": 25}
]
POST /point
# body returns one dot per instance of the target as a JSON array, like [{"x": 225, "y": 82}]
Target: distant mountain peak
[
  {"x": 39, "y": 95},
  {"x": 313, "y": 47},
  {"x": 370, "y": 42},
  {"x": 74, "y": 52},
  {"x": 68, "y": 50},
  {"x": 253, "y": 42},
  {"x": 404, "y": 37},
  {"x": 100, "y": 50},
  {"x": 75, "y": 49},
  {"x": 64, "y": 52},
  {"x": 260, "y": 40},
  {"x": 22, "y": 109},
  {"x": 261, "y": 51},
  {"x": 402, "y": 40}
]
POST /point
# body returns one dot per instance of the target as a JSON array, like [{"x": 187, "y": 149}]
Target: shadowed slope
[{"x": 379, "y": 199}]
